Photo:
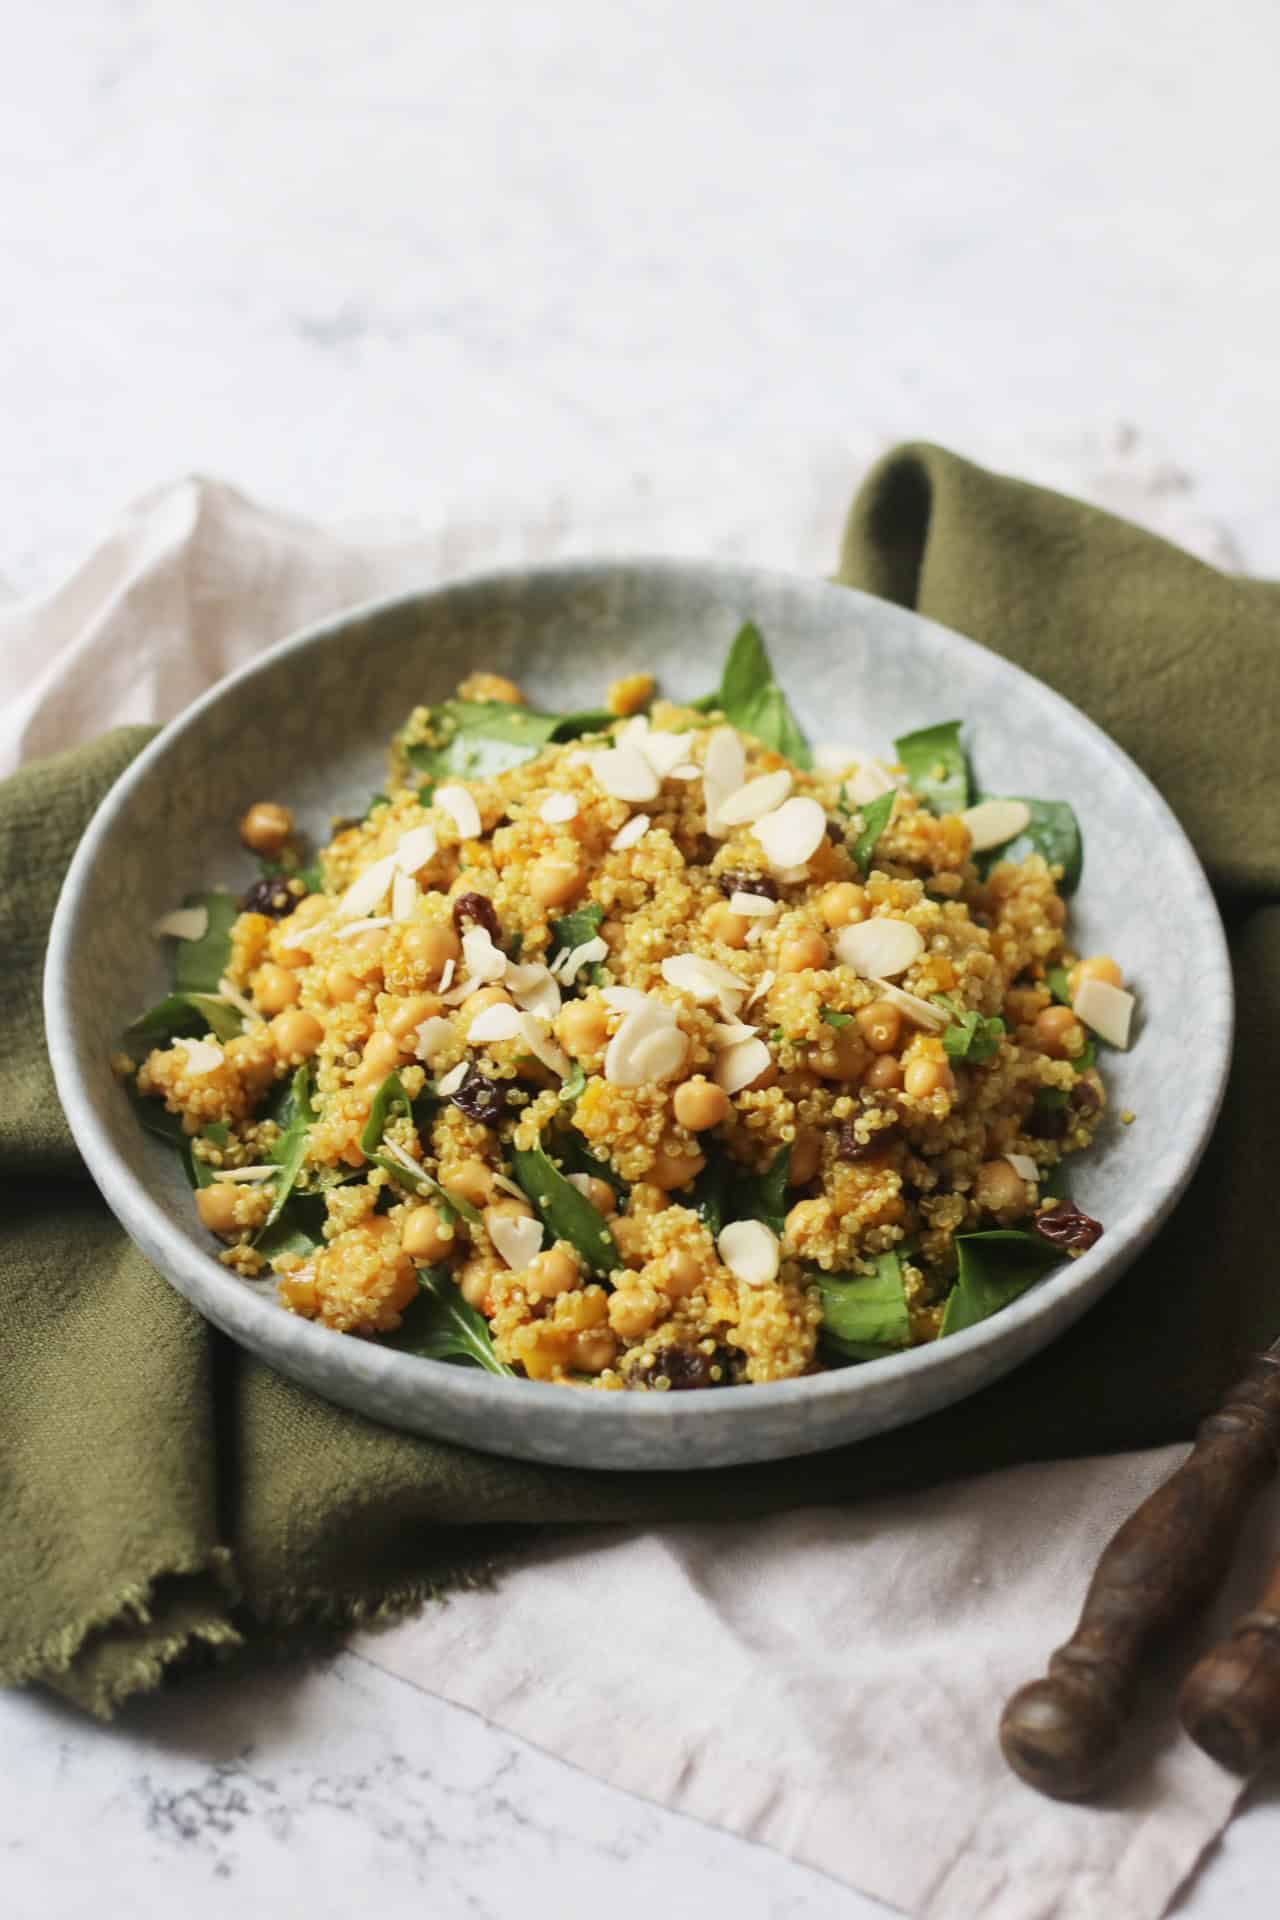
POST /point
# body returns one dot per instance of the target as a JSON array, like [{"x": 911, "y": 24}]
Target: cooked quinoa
[{"x": 633, "y": 1051}]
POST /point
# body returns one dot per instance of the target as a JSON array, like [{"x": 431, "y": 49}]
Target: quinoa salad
[{"x": 647, "y": 1048}]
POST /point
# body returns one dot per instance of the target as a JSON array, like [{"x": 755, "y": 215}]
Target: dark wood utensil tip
[
  {"x": 1061, "y": 1734},
  {"x": 1230, "y": 1701}
]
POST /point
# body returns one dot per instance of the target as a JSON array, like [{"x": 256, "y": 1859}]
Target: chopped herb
[
  {"x": 972, "y": 1037},
  {"x": 574, "y": 1084},
  {"x": 1052, "y": 831},
  {"x": 1059, "y": 985},
  {"x": 864, "y": 1316},
  {"x": 566, "y": 1213},
  {"x": 295, "y": 1118},
  {"x": 777, "y": 1035},
  {"x": 831, "y": 1018},
  {"x": 936, "y": 766},
  {"x": 994, "y": 1269},
  {"x": 389, "y": 1099},
  {"x": 875, "y": 818},
  {"x": 750, "y": 698},
  {"x": 187, "y": 1014},
  {"x": 439, "y": 1325},
  {"x": 198, "y": 965}
]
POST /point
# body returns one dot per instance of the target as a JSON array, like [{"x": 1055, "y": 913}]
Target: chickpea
[
  {"x": 491, "y": 686},
  {"x": 341, "y": 984},
  {"x": 925, "y": 1076},
  {"x": 381, "y": 1054},
  {"x": 843, "y": 903},
  {"x": 679, "y": 1273},
  {"x": 425, "y": 1237},
  {"x": 1099, "y": 966},
  {"x": 700, "y": 1104},
  {"x": 632, "y": 1311},
  {"x": 804, "y": 952},
  {"x": 477, "y": 1003},
  {"x": 404, "y": 1018},
  {"x": 475, "y": 1279},
  {"x": 723, "y": 924},
  {"x": 274, "y": 988},
  {"x": 554, "y": 1272},
  {"x": 1056, "y": 1031},
  {"x": 999, "y": 1189},
  {"x": 805, "y": 1218},
  {"x": 884, "y": 1075},
  {"x": 849, "y": 1056},
  {"x": 216, "y": 1206},
  {"x": 508, "y": 1207},
  {"x": 594, "y": 1351},
  {"x": 556, "y": 883},
  {"x": 365, "y": 954},
  {"x": 880, "y": 1025},
  {"x": 266, "y": 827},
  {"x": 806, "y": 1154},
  {"x": 473, "y": 1180},
  {"x": 676, "y": 1169},
  {"x": 601, "y": 1195},
  {"x": 296, "y": 1035},
  {"x": 427, "y": 949},
  {"x": 583, "y": 1027},
  {"x": 310, "y": 911}
]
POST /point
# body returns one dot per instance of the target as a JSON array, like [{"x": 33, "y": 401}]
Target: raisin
[
  {"x": 849, "y": 1147},
  {"x": 476, "y": 909},
  {"x": 1047, "y": 1122},
  {"x": 835, "y": 833},
  {"x": 270, "y": 895},
  {"x": 758, "y": 883},
  {"x": 682, "y": 1368},
  {"x": 479, "y": 1098},
  {"x": 1066, "y": 1226}
]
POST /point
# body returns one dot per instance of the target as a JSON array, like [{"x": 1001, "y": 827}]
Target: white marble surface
[{"x": 659, "y": 276}]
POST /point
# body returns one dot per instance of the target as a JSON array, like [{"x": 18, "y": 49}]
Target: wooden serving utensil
[
  {"x": 1061, "y": 1733},
  {"x": 1230, "y": 1700}
]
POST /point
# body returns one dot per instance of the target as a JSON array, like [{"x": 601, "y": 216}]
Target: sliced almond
[
  {"x": 1023, "y": 1165},
  {"x": 751, "y": 1252},
  {"x": 461, "y": 809},
  {"x": 200, "y": 1056},
  {"x": 727, "y": 1033},
  {"x": 236, "y": 999},
  {"x": 570, "y": 964},
  {"x": 686, "y": 771},
  {"x": 740, "y": 1064},
  {"x": 249, "y": 1175},
  {"x": 432, "y": 1038},
  {"x": 536, "y": 1036},
  {"x": 557, "y": 808},
  {"x": 879, "y": 948},
  {"x": 760, "y": 796},
  {"x": 447, "y": 972},
  {"x": 184, "y": 923},
  {"x": 494, "y": 1023},
  {"x": 352, "y": 928},
  {"x": 404, "y": 896},
  {"x": 869, "y": 779},
  {"x": 762, "y": 986},
  {"x": 484, "y": 961},
  {"x": 663, "y": 751},
  {"x": 793, "y": 833},
  {"x": 704, "y": 980},
  {"x": 923, "y": 1013},
  {"x": 1107, "y": 1009},
  {"x": 628, "y": 999},
  {"x": 533, "y": 988},
  {"x": 624, "y": 773},
  {"x": 415, "y": 848},
  {"x": 452, "y": 1080},
  {"x": 993, "y": 822},
  {"x": 831, "y": 756},
  {"x": 626, "y": 836},
  {"x": 368, "y": 890},
  {"x": 754, "y": 906},
  {"x": 647, "y": 1047},
  {"x": 518, "y": 1237},
  {"x": 724, "y": 770}
]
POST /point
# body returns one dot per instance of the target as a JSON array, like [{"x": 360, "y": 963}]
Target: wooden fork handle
[
  {"x": 1060, "y": 1733},
  {"x": 1230, "y": 1701}
]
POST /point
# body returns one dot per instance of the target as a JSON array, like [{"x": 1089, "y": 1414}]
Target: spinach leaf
[
  {"x": 830, "y": 1017},
  {"x": 199, "y": 1172},
  {"x": 564, "y": 1212},
  {"x": 573, "y": 1085},
  {"x": 198, "y": 965},
  {"x": 439, "y": 1325},
  {"x": 190, "y": 1014},
  {"x": 295, "y": 1118},
  {"x": 875, "y": 818},
  {"x": 1053, "y": 831},
  {"x": 576, "y": 1157},
  {"x": 297, "y": 1228},
  {"x": 994, "y": 1268},
  {"x": 154, "y": 1117},
  {"x": 971, "y": 1036},
  {"x": 479, "y": 738},
  {"x": 763, "y": 1196},
  {"x": 864, "y": 1316},
  {"x": 751, "y": 699},
  {"x": 713, "y": 1190},
  {"x": 936, "y": 766},
  {"x": 1059, "y": 986},
  {"x": 574, "y": 930},
  {"x": 389, "y": 1099}
]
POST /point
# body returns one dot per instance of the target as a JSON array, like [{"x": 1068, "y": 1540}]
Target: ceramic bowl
[{"x": 308, "y": 722}]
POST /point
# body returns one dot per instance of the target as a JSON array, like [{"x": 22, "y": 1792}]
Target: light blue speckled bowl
[{"x": 308, "y": 723}]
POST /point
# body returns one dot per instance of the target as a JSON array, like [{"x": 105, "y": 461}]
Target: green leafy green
[
  {"x": 875, "y": 818},
  {"x": 973, "y": 1037},
  {"x": 994, "y": 1268},
  {"x": 750, "y": 698},
  {"x": 831, "y": 1017},
  {"x": 190, "y": 1014},
  {"x": 574, "y": 1084},
  {"x": 1059, "y": 985},
  {"x": 1086, "y": 1058},
  {"x": 439, "y": 1325},
  {"x": 574, "y": 930},
  {"x": 576, "y": 1157},
  {"x": 479, "y": 738},
  {"x": 936, "y": 766},
  {"x": 763, "y": 1196},
  {"x": 377, "y": 800},
  {"x": 713, "y": 1189},
  {"x": 1052, "y": 831},
  {"x": 295, "y": 1118},
  {"x": 864, "y": 1316},
  {"x": 297, "y": 1228},
  {"x": 564, "y": 1212},
  {"x": 390, "y": 1099},
  {"x": 198, "y": 965}
]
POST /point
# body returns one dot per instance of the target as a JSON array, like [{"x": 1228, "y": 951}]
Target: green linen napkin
[{"x": 163, "y": 1495}]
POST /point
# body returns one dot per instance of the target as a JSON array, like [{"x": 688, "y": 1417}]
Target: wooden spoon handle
[
  {"x": 1230, "y": 1700},
  {"x": 1061, "y": 1733}
]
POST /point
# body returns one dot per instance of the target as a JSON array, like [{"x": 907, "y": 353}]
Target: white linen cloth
[{"x": 827, "y": 1683}]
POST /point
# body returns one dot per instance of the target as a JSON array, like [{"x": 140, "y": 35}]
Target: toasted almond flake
[
  {"x": 397, "y": 1152},
  {"x": 740, "y": 1064},
  {"x": 452, "y": 1080},
  {"x": 754, "y": 906},
  {"x": 729, "y": 1032},
  {"x": 200, "y": 1056},
  {"x": 353, "y": 927},
  {"x": 461, "y": 809},
  {"x": 648, "y": 1046},
  {"x": 880, "y": 947},
  {"x": 484, "y": 960},
  {"x": 432, "y": 1038},
  {"x": 404, "y": 897},
  {"x": 1023, "y": 1165},
  {"x": 247, "y": 1174},
  {"x": 791, "y": 876},
  {"x": 294, "y": 937},
  {"x": 236, "y": 999},
  {"x": 687, "y": 771},
  {"x": 762, "y": 795},
  {"x": 993, "y": 822},
  {"x": 750, "y": 1251},
  {"x": 447, "y": 972},
  {"x": 705, "y": 980},
  {"x": 923, "y": 1012},
  {"x": 570, "y": 964},
  {"x": 831, "y": 756},
  {"x": 534, "y": 989},
  {"x": 537, "y": 1037},
  {"x": 868, "y": 781},
  {"x": 509, "y": 1186},
  {"x": 626, "y": 836},
  {"x": 724, "y": 770},
  {"x": 629, "y": 999},
  {"x": 415, "y": 848},
  {"x": 661, "y": 750},
  {"x": 762, "y": 986},
  {"x": 518, "y": 1237},
  {"x": 793, "y": 833},
  {"x": 184, "y": 923},
  {"x": 367, "y": 893},
  {"x": 1107, "y": 1009},
  {"x": 582, "y": 1181},
  {"x": 557, "y": 808},
  {"x": 494, "y": 1023},
  {"x": 624, "y": 773},
  {"x": 466, "y": 986}
]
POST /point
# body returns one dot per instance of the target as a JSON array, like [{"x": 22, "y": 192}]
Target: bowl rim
[{"x": 201, "y": 1279}]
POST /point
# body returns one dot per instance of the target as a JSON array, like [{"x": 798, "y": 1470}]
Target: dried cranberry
[
  {"x": 476, "y": 909},
  {"x": 758, "y": 883},
  {"x": 681, "y": 1367},
  {"x": 1065, "y": 1226},
  {"x": 849, "y": 1147},
  {"x": 270, "y": 895},
  {"x": 479, "y": 1098}
]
